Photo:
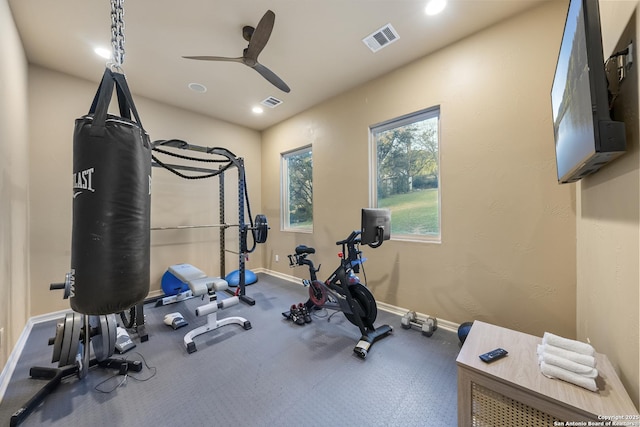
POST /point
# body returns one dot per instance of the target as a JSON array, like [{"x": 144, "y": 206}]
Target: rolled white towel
[
  {"x": 583, "y": 359},
  {"x": 567, "y": 344},
  {"x": 561, "y": 362},
  {"x": 552, "y": 371}
]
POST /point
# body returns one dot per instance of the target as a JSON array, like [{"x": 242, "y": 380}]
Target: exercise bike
[{"x": 343, "y": 291}]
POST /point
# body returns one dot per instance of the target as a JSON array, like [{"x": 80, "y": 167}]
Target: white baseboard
[
  {"x": 8, "y": 369},
  {"x": 442, "y": 323},
  {"x": 279, "y": 275}
]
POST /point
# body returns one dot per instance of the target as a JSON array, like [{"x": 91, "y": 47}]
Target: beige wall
[
  {"x": 55, "y": 101},
  {"x": 508, "y": 229},
  {"x": 14, "y": 185},
  {"x": 608, "y": 219},
  {"x": 508, "y": 254}
]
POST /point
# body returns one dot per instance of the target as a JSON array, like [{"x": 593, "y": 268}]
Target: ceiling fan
[{"x": 257, "y": 38}]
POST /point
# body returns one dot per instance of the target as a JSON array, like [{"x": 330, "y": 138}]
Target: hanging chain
[{"x": 117, "y": 31}]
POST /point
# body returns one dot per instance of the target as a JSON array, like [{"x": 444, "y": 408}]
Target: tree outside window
[
  {"x": 407, "y": 173},
  {"x": 297, "y": 185}
]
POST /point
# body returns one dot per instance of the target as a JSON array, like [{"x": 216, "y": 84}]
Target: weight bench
[{"x": 200, "y": 284}]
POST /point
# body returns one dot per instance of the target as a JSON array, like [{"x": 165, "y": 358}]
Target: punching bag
[{"x": 110, "y": 243}]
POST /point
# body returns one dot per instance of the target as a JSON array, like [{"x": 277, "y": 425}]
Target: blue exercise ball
[
  {"x": 233, "y": 278},
  {"x": 463, "y": 331}
]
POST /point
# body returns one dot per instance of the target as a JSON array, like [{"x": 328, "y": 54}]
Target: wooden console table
[{"x": 513, "y": 392}]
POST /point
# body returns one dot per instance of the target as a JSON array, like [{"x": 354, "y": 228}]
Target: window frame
[
  {"x": 285, "y": 224},
  {"x": 421, "y": 115}
]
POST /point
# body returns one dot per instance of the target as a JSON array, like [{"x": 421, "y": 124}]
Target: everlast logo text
[
  {"x": 82, "y": 181},
  {"x": 72, "y": 282}
]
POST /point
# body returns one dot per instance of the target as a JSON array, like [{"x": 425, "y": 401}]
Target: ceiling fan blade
[
  {"x": 258, "y": 39},
  {"x": 260, "y": 36},
  {"x": 271, "y": 76},
  {"x": 214, "y": 58}
]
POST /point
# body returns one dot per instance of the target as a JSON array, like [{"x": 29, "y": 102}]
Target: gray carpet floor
[{"x": 275, "y": 374}]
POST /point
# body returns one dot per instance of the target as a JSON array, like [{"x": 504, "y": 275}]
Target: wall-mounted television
[{"x": 585, "y": 136}]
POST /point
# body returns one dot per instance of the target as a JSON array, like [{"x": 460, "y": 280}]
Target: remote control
[{"x": 493, "y": 355}]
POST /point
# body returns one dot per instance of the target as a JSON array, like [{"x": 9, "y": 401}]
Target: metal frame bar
[
  {"x": 238, "y": 162},
  {"x": 223, "y": 245},
  {"x": 181, "y": 227},
  {"x": 184, "y": 168}
]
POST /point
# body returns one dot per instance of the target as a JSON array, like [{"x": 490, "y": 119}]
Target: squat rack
[{"x": 227, "y": 160}]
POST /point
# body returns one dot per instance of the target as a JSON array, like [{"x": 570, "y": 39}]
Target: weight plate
[
  {"x": 78, "y": 323},
  {"x": 57, "y": 342},
  {"x": 103, "y": 339},
  {"x": 66, "y": 339},
  {"x": 366, "y": 305},
  {"x": 112, "y": 329},
  {"x": 261, "y": 228},
  {"x": 67, "y": 286},
  {"x": 71, "y": 339},
  {"x": 96, "y": 337}
]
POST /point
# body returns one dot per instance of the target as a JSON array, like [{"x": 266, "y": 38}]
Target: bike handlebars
[{"x": 351, "y": 239}]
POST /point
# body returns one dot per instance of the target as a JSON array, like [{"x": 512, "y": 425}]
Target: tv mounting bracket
[{"x": 624, "y": 61}]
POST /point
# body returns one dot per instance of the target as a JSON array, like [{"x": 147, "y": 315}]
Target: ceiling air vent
[
  {"x": 381, "y": 38},
  {"x": 271, "y": 102}
]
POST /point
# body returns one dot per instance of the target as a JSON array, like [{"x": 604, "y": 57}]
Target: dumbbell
[{"x": 427, "y": 326}]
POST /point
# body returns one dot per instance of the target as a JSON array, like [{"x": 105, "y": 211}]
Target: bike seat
[{"x": 302, "y": 249}]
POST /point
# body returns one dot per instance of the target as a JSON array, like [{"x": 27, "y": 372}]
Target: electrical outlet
[{"x": 277, "y": 258}]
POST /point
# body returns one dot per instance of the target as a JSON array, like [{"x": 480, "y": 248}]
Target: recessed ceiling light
[
  {"x": 434, "y": 7},
  {"x": 105, "y": 53},
  {"x": 197, "y": 87},
  {"x": 257, "y": 110}
]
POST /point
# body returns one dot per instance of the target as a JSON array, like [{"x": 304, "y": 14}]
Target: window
[
  {"x": 406, "y": 174},
  {"x": 297, "y": 190}
]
